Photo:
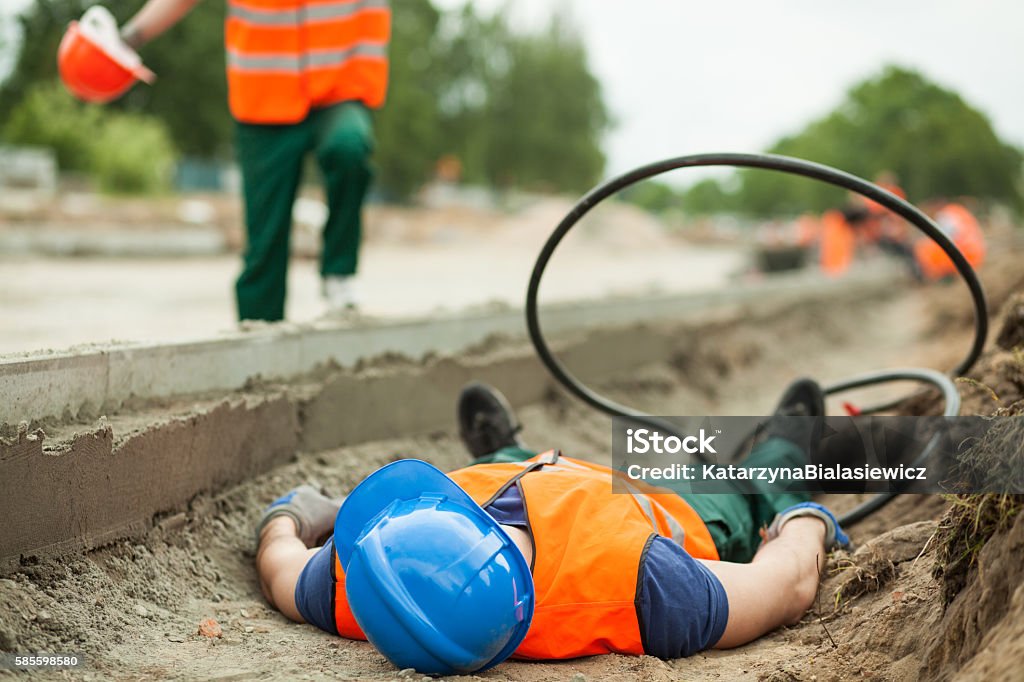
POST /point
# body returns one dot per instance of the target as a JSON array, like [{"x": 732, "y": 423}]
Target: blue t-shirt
[{"x": 681, "y": 606}]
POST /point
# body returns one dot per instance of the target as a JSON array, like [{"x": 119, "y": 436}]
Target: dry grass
[
  {"x": 990, "y": 458},
  {"x": 861, "y": 573},
  {"x": 965, "y": 528}
]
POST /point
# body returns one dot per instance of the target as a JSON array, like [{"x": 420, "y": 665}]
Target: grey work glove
[
  {"x": 312, "y": 511},
  {"x": 834, "y": 535}
]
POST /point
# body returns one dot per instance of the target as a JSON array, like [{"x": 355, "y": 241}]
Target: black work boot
[
  {"x": 803, "y": 398},
  {"x": 486, "y": 421}
]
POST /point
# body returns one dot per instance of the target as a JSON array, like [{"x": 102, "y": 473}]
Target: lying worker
[{"x": 533, "y": 556}]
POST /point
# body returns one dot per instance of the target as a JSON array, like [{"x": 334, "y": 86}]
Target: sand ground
[
  {"x": 134, "y": 606},
  {"x": 414, "y": 262}
]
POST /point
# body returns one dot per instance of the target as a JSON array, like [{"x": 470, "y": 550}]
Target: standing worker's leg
[
  {"x": 270, "y": 157},
  {"x": 344, "y": 142}
]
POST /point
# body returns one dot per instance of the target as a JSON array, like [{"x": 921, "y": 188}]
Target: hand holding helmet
[{"x": 94, "y": 63}]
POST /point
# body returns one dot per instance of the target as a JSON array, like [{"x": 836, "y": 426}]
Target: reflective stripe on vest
[{"x": 287, "y": 56}]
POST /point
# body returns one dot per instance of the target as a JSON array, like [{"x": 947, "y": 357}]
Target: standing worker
[{"x": 302, "y": 77}]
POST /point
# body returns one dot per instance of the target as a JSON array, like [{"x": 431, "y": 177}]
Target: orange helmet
[{"x": 95, "y": 65}]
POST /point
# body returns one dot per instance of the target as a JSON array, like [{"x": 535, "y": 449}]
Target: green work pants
[
  {"x": 271, "y": 159},
  {"x": 733, "y": 519}
]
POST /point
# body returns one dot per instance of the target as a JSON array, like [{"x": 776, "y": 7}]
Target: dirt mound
[
  {"x": 946, "y": 601},
  {"x": 996, "y": 384},
  {"x": 982, "y": 577}
]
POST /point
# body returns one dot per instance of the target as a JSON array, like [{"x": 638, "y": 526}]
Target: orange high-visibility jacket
[
  {"x": 588, "y": 545},
  {"x": 837, "y": 243},
  {"x": 287, "y": 56},
  {"x": 882, "y": 223},
  {"x": 966, "y": 235}
]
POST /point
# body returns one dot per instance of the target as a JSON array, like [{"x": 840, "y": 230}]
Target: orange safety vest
[
  {"x": 880, "y": 222},
  {"x": 875, "y": 208},
  {"x": 967, "y": 236},
  {"x": 837, "y": 243},
  {"x": 287, "y": 56},
  {"x": 588, "y": 546}
]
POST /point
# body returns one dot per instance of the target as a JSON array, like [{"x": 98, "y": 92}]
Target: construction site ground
[{"x": 134, "y": 605}]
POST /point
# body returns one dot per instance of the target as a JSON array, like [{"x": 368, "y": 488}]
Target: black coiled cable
[{"x": 784, "y": 164}]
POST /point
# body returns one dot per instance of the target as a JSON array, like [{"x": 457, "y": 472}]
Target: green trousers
[
  {"x": 733, "y": 519},
  {"x": 271, "y": 159}
]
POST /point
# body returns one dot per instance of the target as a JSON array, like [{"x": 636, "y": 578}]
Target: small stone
[
  {"x": 243, "y": 613},
  {"x": 141, "y": 611},
  {"x": 406, "y": 672},
  {"x": 249, "y": 629},
  {"x": 43, "y": 615},
  {"x": 579, "y": 677},
  {"x": 210, "y": 628},
  {"x": 177, "y": 639}
]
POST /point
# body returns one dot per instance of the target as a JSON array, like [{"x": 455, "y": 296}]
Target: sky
[
  {"x": 734, "y": 75},
  {"x": 729, "y": 75}
]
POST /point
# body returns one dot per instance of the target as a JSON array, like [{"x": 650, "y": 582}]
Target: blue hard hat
[{"x": 431, "y": 578}]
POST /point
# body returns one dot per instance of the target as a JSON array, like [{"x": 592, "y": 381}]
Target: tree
[
  {"x": 189, "y": 95},
  {"x": 408, "y": 126},
  {"x": 936, "y": 143},
  {"x": 706, "y": 197},
  {"x": 519, "y": 110},
  {"x": 123, "y": 152},
  {"x": 652, "y": 196},
  {"x": 546, "y": 115}
]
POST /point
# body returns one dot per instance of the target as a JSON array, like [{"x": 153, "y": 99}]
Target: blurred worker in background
[
  {"x": 302, "y": 78},
  {"x": 881, "y": 226},
  {"x": 957, "y": 223},
  {"x": 837, "y": 242},
  {"x": 865, "y": 223}
]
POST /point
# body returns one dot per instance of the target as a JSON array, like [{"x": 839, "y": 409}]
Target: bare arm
[
  {"x": 155, "y": 17},
  {"x": 777, "y": 587}
]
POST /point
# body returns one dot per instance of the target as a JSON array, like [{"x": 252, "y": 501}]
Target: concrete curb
[
  {"x": 116, "y": 478},
  {"x": 50, "y": 240},
  {"x": 88, "y": 382}
]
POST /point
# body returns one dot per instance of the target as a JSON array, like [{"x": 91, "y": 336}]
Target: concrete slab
[
  {"x": 88, "y": 381},
  {"x": 204, "y": 416}
]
